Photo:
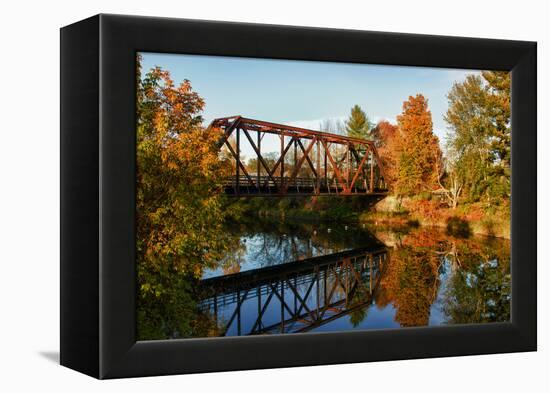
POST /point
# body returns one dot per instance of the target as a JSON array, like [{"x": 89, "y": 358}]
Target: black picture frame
[{"x": 98, "y": 269}]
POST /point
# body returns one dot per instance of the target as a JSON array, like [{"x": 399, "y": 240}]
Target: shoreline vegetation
[
  {"x": 461, "y": 184},
  {"x": 423, "y": 210}
]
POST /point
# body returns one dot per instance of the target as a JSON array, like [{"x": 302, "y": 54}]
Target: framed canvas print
[{"x": 239, "y": 196}]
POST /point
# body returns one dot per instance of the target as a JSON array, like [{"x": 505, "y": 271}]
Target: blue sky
[{"x": 303, "y": 93}]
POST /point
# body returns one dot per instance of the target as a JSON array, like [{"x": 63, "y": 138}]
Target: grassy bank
[
  {"x": 465, "y": 220},
  {"x": 305, "y": 208}
]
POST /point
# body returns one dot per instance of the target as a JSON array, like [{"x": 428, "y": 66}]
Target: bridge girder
[{"x": 336, "y": 164}]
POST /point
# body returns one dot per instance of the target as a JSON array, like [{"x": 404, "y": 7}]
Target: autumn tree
[
  {"x": 178, "y": 205},
  {"x": 178, "y": 176},
  {"x": 418, "y": 151},
  {"x": 386, "y": 137},
  {"x": 479, "y": 138},
  {"x": 358, "y": 124}
]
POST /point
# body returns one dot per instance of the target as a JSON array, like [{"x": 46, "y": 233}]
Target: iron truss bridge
[
  {"x": 308, "y": 162},
  {"x": 294, "y": 297}
]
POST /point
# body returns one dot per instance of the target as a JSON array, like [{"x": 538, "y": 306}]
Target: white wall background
[{"x": 29, "y": 194}]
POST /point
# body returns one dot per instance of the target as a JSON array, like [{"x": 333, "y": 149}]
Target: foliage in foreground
[{"x": 178, "y": 206}]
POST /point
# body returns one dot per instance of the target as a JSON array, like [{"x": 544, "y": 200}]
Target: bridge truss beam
[{"x": 322, "y": 163}]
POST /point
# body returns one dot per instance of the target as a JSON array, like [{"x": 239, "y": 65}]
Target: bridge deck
[{"x": 302, "y": 186}]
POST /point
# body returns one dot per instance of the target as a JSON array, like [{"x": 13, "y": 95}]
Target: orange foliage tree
[
  {"x": 178, "y": 205},
  {"x": 386, "y": 137},
  {"x": 418, "y": 151},
  {"x": 179, "y": 175}
]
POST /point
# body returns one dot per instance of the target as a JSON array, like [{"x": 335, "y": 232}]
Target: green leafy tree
[
  {"x": 479, "y": 140},
  {"x": 358, "y": 124},
  {"x": 499, "y": 104}
]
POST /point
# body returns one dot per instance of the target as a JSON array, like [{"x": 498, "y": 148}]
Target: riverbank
[{"x": 465, "y": 220}]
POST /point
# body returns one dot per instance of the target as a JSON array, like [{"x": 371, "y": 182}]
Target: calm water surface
[{"x": 287, "y": 277}]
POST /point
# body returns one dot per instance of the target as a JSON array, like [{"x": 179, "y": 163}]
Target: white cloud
[{"x": 315, "y": 123}]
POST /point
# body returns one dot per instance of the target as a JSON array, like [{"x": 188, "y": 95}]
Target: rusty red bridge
[{"x": 308, "y": 162}]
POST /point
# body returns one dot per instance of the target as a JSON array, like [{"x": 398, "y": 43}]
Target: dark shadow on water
[
  {"x": 458, "y": 227},
  {"x": 52, "y": 356}
]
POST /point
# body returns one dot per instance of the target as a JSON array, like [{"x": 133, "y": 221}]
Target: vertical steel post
[
  {"x": 258, "y": 161},
  {"x": 237, "y": 161},
  {"x": 295, "y": 152},
  {"x": 318, "y": 167},
  {"x": 371, "y": 170},
  {"x": 238, "y": 313},
  {"x": 259, "y": 307},
  {"x": 295, "y": 298},
  {"x": 326, "y": 168},
  {"x": 282, "y": 306},
  {"x": 346, "y": 289},
  {"x": 296, "y": 163},
  {"x": 325, "y": 272},
  {"x": 282, "y": 160},
  {"x": 317, "y": 289},
  {"x": 347, "y": 166}
]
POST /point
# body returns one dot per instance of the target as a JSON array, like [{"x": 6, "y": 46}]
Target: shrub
[{"x": 458, "y": 227}]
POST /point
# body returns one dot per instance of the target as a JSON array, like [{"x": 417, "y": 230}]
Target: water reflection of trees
[
  {"x": 271, "y": 242},
  {"x": 171, "y": 311},
  {"x": 358, "y": 314},
  {"x": 479, "y": 289},
  {"x": 476, "y": 273},
  {"x": 465, "y": 280}
]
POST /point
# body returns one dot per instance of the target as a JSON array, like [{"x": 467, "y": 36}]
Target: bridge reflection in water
[{"x": 294, "y": 297}]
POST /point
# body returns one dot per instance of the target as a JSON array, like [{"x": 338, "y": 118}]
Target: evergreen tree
[
  {"x": 358, "y": 124},
  {"x": 499, "y": 102}
]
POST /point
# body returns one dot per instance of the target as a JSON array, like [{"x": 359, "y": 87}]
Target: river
[{"x": 290, "y": 277}]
